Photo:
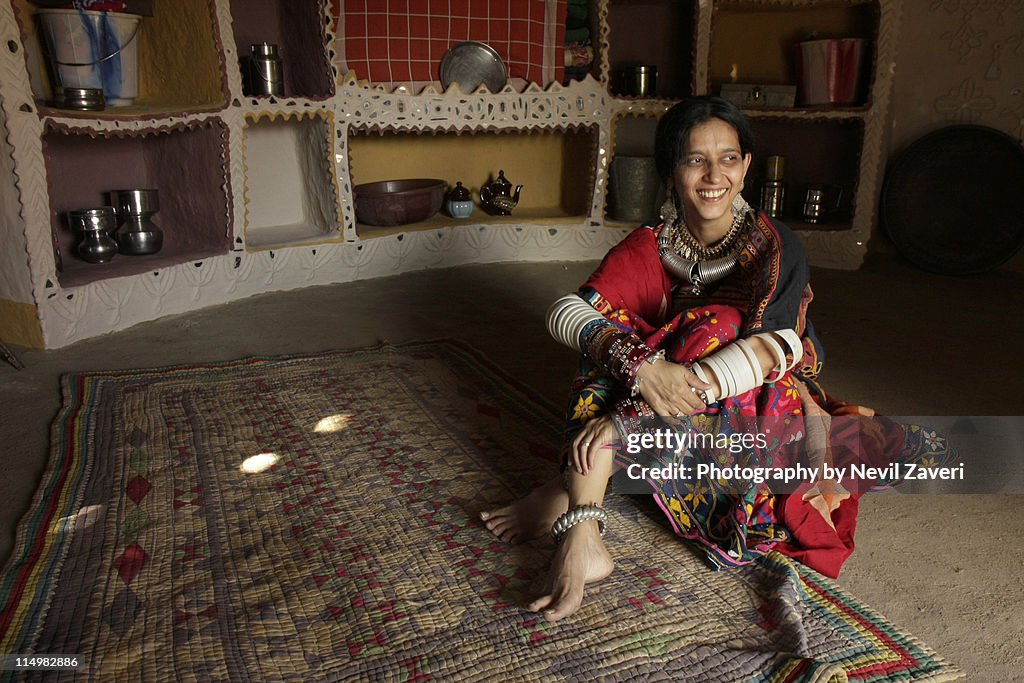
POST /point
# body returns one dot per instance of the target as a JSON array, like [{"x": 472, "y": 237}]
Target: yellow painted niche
[
  {"x": 554, "y": 167},
  {"x": 179, "y": 65}
]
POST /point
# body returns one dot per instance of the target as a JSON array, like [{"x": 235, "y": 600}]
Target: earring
[
  {"x": 740, "y": 205},
  {"x": 668, "y": 212},
  {"x": 670, "y": 209}
]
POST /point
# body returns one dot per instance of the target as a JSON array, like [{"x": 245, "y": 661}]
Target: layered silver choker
[{"x": 688, "y": 260}]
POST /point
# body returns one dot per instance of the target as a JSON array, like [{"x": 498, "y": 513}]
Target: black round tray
[{"x": 952, "y": 200}]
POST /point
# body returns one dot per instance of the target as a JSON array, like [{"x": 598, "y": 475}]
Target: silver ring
[
  {"x": 586, "y": 443},
  {"x": 693, "y": 389}
]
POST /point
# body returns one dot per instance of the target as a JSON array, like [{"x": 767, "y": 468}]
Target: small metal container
[
  {"x": 773, "y": 192},
  {"x": 773, "y": 197},
  {"x": 814, "y": 205},
  {"x": 819, "y": 201},
  {"x": 138, "y": 235},
  {"x": 266, "y": 73},
  {"x": 93, "y": 228},
  {"x": 638, "y": 81},
  {"x": 633, "y": 187},
  {"x": 776, "y": 168},
  {"x": 79, "y": 99}
]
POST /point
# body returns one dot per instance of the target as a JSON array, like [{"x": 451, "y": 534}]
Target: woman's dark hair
[{"x": 673, "y": 134}]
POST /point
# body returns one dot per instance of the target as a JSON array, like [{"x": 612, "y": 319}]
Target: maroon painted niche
[
  {"x": 298, "y": 28},
  {"x": 186, "y": 165}
]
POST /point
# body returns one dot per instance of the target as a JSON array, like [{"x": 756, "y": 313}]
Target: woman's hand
[
  {"x": 671, "y": 389},
  {"x": 595, "y": 435}
]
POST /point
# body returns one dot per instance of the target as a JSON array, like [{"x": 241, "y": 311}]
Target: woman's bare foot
[
  {"x": 580, "y": 559},
  {"x": 531, "y": 516}
]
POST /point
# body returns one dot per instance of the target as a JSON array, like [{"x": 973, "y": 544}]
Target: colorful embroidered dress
[{"x": 769, "y": 291}]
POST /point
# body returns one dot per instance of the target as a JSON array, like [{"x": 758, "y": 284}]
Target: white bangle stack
[
  {"x": 567, "y": 318},
  {"x": 780, "y": 368},
  {"x": 786, "y": 362},
  {"x": 738, "y": 370},
  {"x": 735, "y": 370}
]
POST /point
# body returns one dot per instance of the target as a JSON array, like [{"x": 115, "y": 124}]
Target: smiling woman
[
  {"x": 710, "y": 178},
  {"x": 703, "y": 314}
]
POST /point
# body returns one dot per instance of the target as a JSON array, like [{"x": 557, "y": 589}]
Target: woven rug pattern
[{"x": 314, "y": 519}]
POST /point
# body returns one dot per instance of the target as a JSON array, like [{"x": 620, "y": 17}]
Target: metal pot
[
  {"x": 138, "y": 235},
  {"x": 93, "y": 228},
  {"x": 640, "y": 80},
  {"x": 633, "y": 188}
]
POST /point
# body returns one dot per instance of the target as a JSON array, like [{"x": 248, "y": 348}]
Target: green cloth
[{"x": 577, "y": 35}]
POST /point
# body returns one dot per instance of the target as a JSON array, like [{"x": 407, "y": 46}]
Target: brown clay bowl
[{"x": 398, "y": 202}]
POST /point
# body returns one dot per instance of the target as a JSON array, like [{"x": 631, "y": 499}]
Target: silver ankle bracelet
[{"x": 580, "y": 513}]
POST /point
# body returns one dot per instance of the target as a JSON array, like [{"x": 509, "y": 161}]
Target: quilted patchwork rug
[{"x": 314, "y": 519}]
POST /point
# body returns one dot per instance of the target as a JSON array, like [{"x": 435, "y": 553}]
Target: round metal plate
[
  {"x": 470, "y": 64},
  {"x": 951, "y": 200}
]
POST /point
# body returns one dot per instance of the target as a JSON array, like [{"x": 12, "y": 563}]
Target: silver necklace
[
  {"x": 684, "y": 238},
  {"x": 686, "y": 259}
]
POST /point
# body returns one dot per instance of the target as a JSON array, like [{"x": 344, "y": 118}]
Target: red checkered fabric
[{"x": 390, "y": 41}]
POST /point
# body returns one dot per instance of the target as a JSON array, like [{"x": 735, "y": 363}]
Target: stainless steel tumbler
[{"x": 267, "y": 74}]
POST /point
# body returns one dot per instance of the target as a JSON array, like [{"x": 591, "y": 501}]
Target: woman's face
[{"x": 710, "y": 175}]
